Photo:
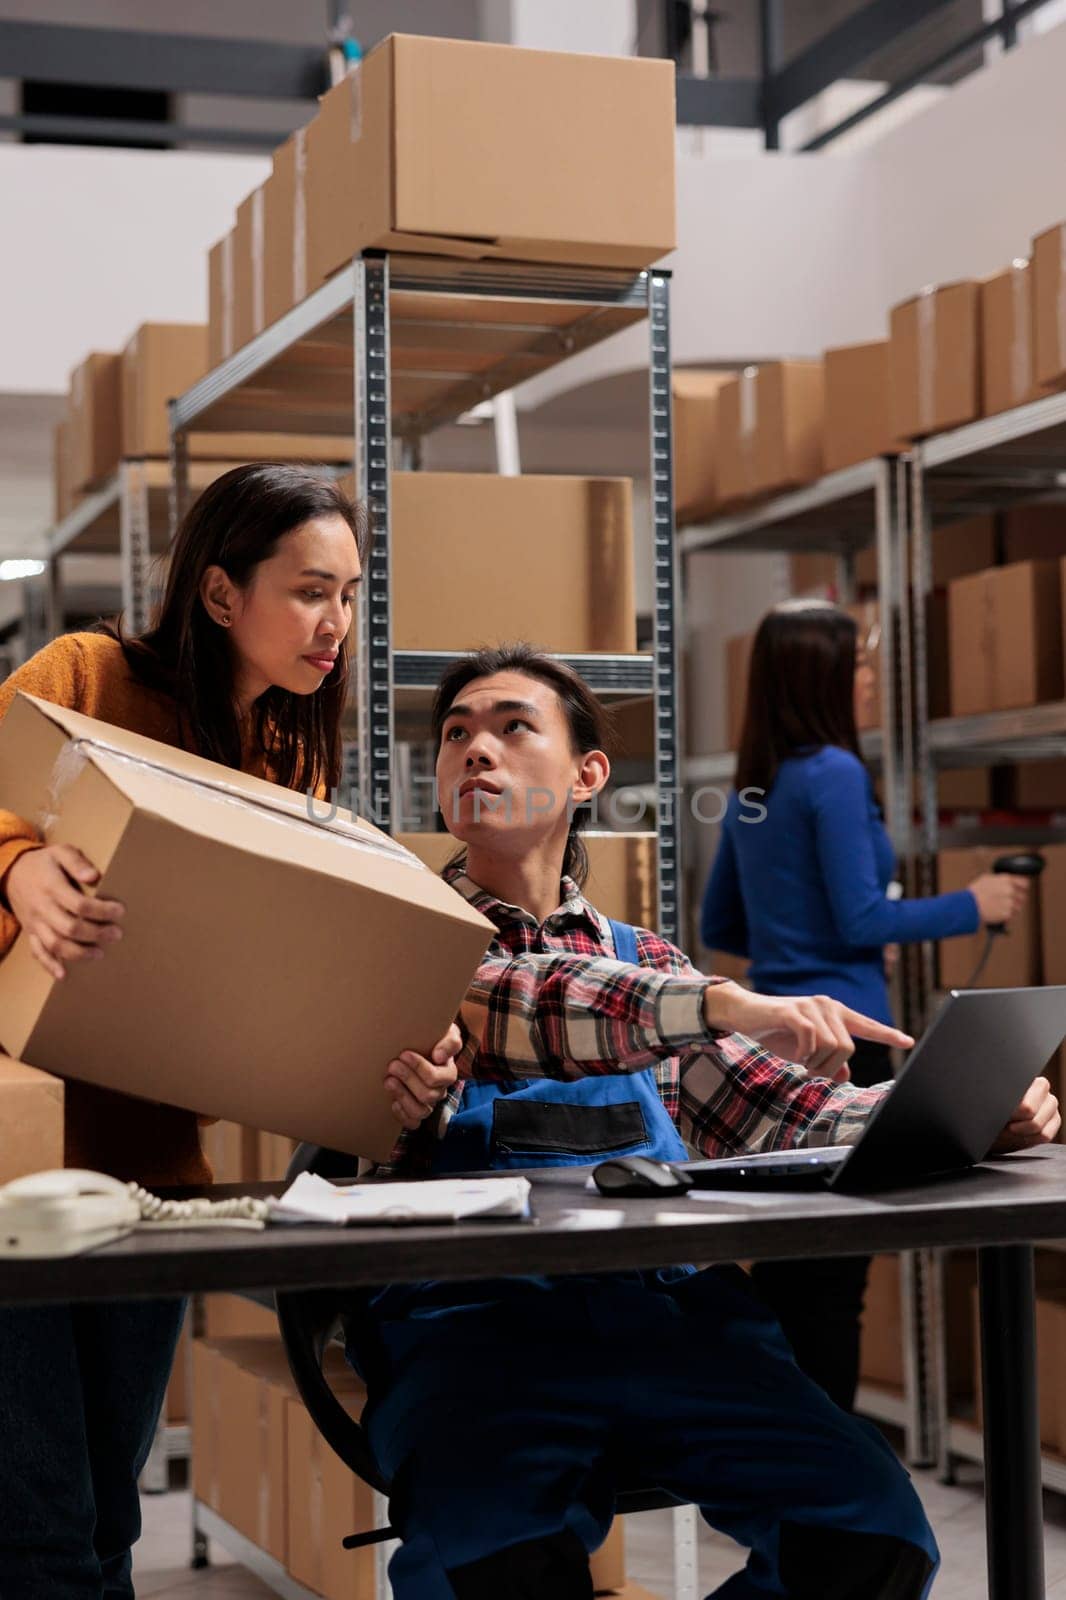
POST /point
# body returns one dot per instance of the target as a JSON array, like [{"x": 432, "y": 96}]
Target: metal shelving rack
[
  {"x": 383, "y": 353},
  {"x": 841, "y": 513},
  {"x": 392, "y": 348},
  {"x": 985, "y": 466}
]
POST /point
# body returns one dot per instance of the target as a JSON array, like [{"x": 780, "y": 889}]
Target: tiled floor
[{"x": 957, "y": 1514}]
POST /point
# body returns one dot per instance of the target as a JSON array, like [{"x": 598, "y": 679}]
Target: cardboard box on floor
[
  {"x": 1015, "y": 959},
  {"x": 459, "y": 539},
  {"x": 285, "y": 229},
  {"x": 1049, "y": 310},
  {"x": 696, "y": 442},
  {"x": 858, "y": 411},
  {"x": 1005, "y": 638},
  {"x": 94, "y": 418},
  {"x": 226, "y": 1007},
  {"x": 31, "y": 1120},
  {"x": 771, "y": 426},
  {"x": 935, "y": 361},
  {"x": 1007, "y": 368},
  {"x": 958, "y": 548},
  {"x": 398, "y": 157}
]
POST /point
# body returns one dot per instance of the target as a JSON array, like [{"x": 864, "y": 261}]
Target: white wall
[{"x": 98, "y": 241}]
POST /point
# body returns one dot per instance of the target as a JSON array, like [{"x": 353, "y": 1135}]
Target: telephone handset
[{"x": 65, "y": 1212}]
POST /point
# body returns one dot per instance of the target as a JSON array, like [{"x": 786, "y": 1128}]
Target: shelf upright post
[
  {"x": 134, "y": 543},
  {"x": 921, "y": 588},
  {"x": 665, "y": 646},
  {"x": 53, "y": 597},
  {"x": 373, "y": 466}
]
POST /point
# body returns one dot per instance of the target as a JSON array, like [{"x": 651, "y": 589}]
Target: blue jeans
[
  {"x": 516, "y": 1415},
  {"x": 81, "y": 1389}
]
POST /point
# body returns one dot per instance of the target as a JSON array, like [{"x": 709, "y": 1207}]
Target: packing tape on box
[
  {"x": 748, "y": 397},
  {"x": 258, "y": 270},
  {"x": 926, "y": 312},
  {"x": 227, "y": 295},
  {"x": 76, "y": 754},
  {"x": 299, "y": 216},
  {"x": 1021, "y": 348}
]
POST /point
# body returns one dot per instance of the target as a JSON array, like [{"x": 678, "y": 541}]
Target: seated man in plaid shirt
[{"x": 506, "y": 1413}]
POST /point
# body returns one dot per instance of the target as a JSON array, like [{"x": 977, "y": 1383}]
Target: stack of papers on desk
[{"x": 311, "y": 1199}]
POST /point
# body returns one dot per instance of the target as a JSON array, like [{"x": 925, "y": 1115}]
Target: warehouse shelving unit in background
[
  {"x": 392, "y": 348},
  {"x": 840, "y": 514},
  {"x": 1000, "y": 461},
  {"x": 384, "y": 352}
]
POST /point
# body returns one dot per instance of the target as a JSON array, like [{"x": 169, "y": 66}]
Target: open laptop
[{"x": 949, "y": 1104}]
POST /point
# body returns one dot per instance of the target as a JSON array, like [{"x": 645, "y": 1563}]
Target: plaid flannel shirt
[{"x": 551, "y": 1001}]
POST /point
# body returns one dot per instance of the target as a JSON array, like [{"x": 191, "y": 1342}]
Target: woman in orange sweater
[{"x": 247, "y": 664}]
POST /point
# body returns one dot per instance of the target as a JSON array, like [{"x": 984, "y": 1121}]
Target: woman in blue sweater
[{"x": 799, "y": 887}]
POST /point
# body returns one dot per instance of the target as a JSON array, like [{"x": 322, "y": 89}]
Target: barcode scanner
[{"x": 1019, "y": 864}]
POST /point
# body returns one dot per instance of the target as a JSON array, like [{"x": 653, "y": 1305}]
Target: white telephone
[{"x": 64, "y": 1212}]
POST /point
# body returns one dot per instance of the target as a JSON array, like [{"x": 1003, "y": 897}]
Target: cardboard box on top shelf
[
  {"x": 95, "y": 420},
  {"x": 1005, "y": 636},
  {"x": 1015, "y": 959},
  {"x": 1049, "y": 309},
  {"x": 737, "y": 666},
  {"x": 224, "y": 850},
  {"x": 858, "y": 410},
  {"x": 1007, "y": 334},
  {"x": 881, "y": 1349},
  {"x": 220, "y": 273},
  {"x": 161, "y": 361},
  {"x": 459, "y": 540},
  {"x": 249, "y": 270},
  {"x": 789, "y": 424},
  {"x": 64, "y": 497},
  {"x": 957, "y": 548},
  {"x": 935, "y": 360},
  {"x": 1036, "y": 786},
  {"x": 31, "y": 1120},
  {"x": 736, "y": 431},
  {"x": 1034, "y": 533},
  {"x": 962, "y": 789},
  {"x": 696, "y": 442},
  {"x": 397, "y": 157},
  {"x": 633, "y": 730},
  {"x": 1053, "y": 912},
  {"x": 285, "y": 228}
]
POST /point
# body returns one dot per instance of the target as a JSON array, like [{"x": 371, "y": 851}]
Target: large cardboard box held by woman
[{"x": 272, "y": 963}]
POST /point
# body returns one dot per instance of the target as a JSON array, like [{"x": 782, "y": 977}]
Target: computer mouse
[{"x": 639, "y": 1175}]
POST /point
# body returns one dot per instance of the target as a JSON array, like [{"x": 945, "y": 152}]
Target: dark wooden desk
[{"x": 1001, "y": 1209}]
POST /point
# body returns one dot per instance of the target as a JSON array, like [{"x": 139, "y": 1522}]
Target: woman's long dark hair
[
  {"x": 235, "y": 524},
  {"x": 801, "y": 688},
  {"x": 586, "y": 717}
]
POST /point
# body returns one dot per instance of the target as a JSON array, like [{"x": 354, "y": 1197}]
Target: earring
[{"x": 225, "y": 620}]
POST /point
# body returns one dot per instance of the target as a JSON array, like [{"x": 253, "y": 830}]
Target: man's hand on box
[
  {"x": 47, "y": 891},
  {"x": 1036, "y": 1121},
  {"x": 416, "y": 1085}
]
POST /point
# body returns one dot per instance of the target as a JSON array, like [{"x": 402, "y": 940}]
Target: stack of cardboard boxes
[
  {"x": 397, "y": 158},
  {"x": 260, "y": 1463}
]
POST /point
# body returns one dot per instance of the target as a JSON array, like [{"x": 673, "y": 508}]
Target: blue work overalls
[{"x": 511, "y": 1410}]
